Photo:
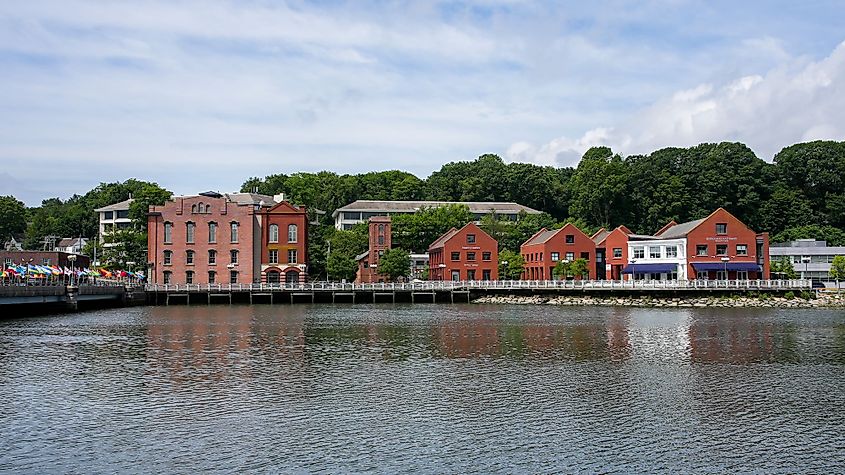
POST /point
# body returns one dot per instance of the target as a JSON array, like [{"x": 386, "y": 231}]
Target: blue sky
[{"x": 200, "y": 95}]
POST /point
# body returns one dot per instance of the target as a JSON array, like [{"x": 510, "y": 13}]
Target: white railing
[{"x": 798, "y": 284}]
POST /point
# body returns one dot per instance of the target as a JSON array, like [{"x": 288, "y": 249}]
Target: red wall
[
  {"x": 616, "y": 239},
  {"x": 283, "y": 214},
  {"x": 538, "y": 257},
  {"x": 458, "y": 243},
  {"x": 737, "y": 233},
  {"x": 223, "y": 213}
]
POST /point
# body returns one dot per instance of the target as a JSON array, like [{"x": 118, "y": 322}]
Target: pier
[
  {"x": 448, "y": 291},
  {"x": 27, "y": 298}
]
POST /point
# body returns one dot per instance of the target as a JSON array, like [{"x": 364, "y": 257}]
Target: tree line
[{"x": 800, "y": 194}]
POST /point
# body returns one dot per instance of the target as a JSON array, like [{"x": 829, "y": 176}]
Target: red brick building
[
  {"x": 542, "y": 251},
  {"x": 207, "y": 238},
  {"x": 43, "y": 258},
  {"x": 721, "y": 246},
  {"x": 284, "y": 235},
  {"x": 611, "y": 252},
  {"x": 464, "y": 254},
  {"x": 380, "y": 233}
]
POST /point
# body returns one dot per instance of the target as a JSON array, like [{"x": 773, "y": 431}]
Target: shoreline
[{"x": 823, "y": 301}]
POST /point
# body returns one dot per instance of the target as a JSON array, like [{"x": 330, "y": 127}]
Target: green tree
[
  {"x": 599, "y": 188},
  {"x": 783, "y": 269},
  {"x": 511, "y": 265},
  {"x": 341, "y": 266},
  {"x": 837, "y": 269},
  {"x": 577, "y": 268},
  {"x": 833, "y": 236},
  {"x": 395, "y": 263},
  {"x": 13, "y": 216},
  {"x": 416, "y": 231},
  {"x": 123, "y": 247}
]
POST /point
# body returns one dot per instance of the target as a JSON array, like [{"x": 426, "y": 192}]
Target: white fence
[{"x": 799, "y": 284}]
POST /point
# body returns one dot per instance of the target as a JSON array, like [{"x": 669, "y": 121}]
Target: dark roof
[
  {"x": 442, "y": 239},
  {"x": 501, "y": 207},
  {"x": 116, "y": 206},
  {"x": 541, "y": 237},
  {"x": 601, "y": 235},
  {"x": 681, "y": 230}
]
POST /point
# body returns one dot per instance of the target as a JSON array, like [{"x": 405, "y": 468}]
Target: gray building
[
  {"x": 810, "y": 258},
  {"x": 362, "y": 210}
]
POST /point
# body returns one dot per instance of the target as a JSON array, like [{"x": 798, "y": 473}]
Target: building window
[
  {"x": 456, "y": 275},
  {"x": 381, "y": 235},
  {"x": 123, "y": 214},
  {"x": 654, "y": 252},
  {"x": 292, "y": 233},
  {"x": 108, "y": 215},
  {"x": 702, "y": 275},
  {"x": 742, "y": 249},
  {"x": 721, "y": 249},
  {"x": 742, "y": 275},
  {"x": 274, "y": 233},
  {"x": 233, "y": 256},
  {"x": 570, "y": 239},
  {"x": 471, "y": 274},
  {"x": 570, "y": 256},
  {"x": 233, "y": 277},
  {"x": 233, "y": 231},
  {"x": 193, "y": 209},
  {"x": 189, "y": 257},
  {"x": 639, "y": 253},
  {"x": 189, "y": 277},
  {"x": 470, "y": 238},
  {"x": 671, "y": 252},
  {"x": 585, "y": 256},
  {"x": 486, "y": 256},
  {"x": 189, "y": 232},
  {"x": 701, "y": 250},
  {"x": 212, "y": 233},
  {"x": 168, "y": 258},
  {"x": 212, "y": 257},
  {"x": 485, "y": 274},
  {"x": 555, "y": 256},
  {"x": 456, "y": 256},
  {"x": 471, "y": 257},
  {"x": 617, "y": 252},
  {"x": 721, "y": 228},
  {"x": 168, "y": 233},
  {"x": 212, "y": 277},
  {"x": 721, "y": 275},
  {"x": 292, "y": 256},
  {"x": 45, "y": 261},
  {"x": 274, "y": 256},
  {"x": 168, "y": 276}
]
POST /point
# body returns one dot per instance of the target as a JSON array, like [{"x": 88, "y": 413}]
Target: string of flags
[{"x": 41, "y": 272}]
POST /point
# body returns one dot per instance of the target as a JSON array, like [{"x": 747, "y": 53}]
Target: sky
[{"x": 200, "y": 95}]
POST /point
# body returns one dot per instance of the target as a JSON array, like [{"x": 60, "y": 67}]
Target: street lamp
[
  {"x": 72, "y": 259},
  {"x": 806, "y": 261},
  {"x": 725, "y": 261}
]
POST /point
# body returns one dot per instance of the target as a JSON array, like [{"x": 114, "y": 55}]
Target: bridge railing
[{"x": 797, "y": 284}]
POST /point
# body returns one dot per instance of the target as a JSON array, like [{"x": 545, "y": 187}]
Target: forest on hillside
[{"x": 800, "y": 194}]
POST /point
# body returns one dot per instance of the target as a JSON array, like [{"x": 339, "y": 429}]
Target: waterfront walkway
[{"x": 448, "y": 291}]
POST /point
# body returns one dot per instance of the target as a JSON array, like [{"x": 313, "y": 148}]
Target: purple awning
[{"x": 649, "y": 268}]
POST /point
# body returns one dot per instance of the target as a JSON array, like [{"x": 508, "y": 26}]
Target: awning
[
  {"x": 649, "y": 268},
  {"x": 735, "y": 266}
]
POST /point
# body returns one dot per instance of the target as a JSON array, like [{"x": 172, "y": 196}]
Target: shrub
[{"x": 789, "y": 295}]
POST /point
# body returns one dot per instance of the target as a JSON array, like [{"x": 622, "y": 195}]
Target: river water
[{"x": 425, "y": 388}]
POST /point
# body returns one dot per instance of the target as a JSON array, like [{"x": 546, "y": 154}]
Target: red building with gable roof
[
  {"x": 284, "y": 229},
  {"x": 468, "y": 253},
  {"x": 611, "y": 252},
  {"x": 380, "y": 234},
  {"x": 721, "y": 243},
  {"x": 542, "y": 251}
]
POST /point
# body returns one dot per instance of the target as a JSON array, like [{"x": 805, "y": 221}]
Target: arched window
[
  {"x": 233, "y": 232},
  {"x": 207, "y": 208},
  {"x": 212, "y": 232},
  {"x": 292, "y": 232},
  {"x": 200, "y": 208},
  {"x": 189, "y": 232},
  {"x": 274, "y": 233},
  {"x": 381, "y": 235},
  {"x": 193, "y": 208},
  {"x": 168, "y": 233}
]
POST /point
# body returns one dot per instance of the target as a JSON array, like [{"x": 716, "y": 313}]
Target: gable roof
[
  {"x": 540, "y": 237},
  {"x": 439, "y": 242},
  {"x": 477, "y": 207},
  {"x": 284, "y": 206},
  {"x": 600, "y": 235},
  {"x": 116, "y": 206},
  {"x": 665, "y": 227}
]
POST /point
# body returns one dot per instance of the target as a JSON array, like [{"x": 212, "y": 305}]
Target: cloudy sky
[{"x": 201, "y": 94}]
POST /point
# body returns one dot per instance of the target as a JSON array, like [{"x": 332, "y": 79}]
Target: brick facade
[
  {"x": 724, "y": 236},
  {"x": 284, "y": 238},
  {"x": 43, "y": 258},
  {"x": 216, "y": 254},
  {"x": 542, "y": 252},
  {"x": 464, "y": 254},
  {"x": 380, "y": 240}
]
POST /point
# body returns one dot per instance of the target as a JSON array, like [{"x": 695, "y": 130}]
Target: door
[{"x": 456, "y": 275}]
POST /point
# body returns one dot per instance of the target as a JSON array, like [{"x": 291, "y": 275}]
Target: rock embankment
[{"x": 821, "y": 301}]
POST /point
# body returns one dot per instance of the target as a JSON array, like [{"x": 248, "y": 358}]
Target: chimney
[{"x": 279, "y": 198}]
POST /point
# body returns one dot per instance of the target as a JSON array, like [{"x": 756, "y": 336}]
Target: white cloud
[{"x": 796, "y": 102}]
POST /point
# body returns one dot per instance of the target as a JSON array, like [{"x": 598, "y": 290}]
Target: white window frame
[
  {"x": 273, "y": 233},
  {"x": 293, "y": 232}
]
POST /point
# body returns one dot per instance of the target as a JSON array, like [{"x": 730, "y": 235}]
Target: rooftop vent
[{"x": 211, "y": 194}]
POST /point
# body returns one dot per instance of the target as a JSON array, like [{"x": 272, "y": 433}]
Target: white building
[
  {"x": 652, "y": 258},
  {"x": 71, "y": 245},
  {"x": 811, "y": 259},
  {"x": 362, "y": 210},
  {"x": 114, "y": 217},
  {"x": 419, "y": 262}
]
